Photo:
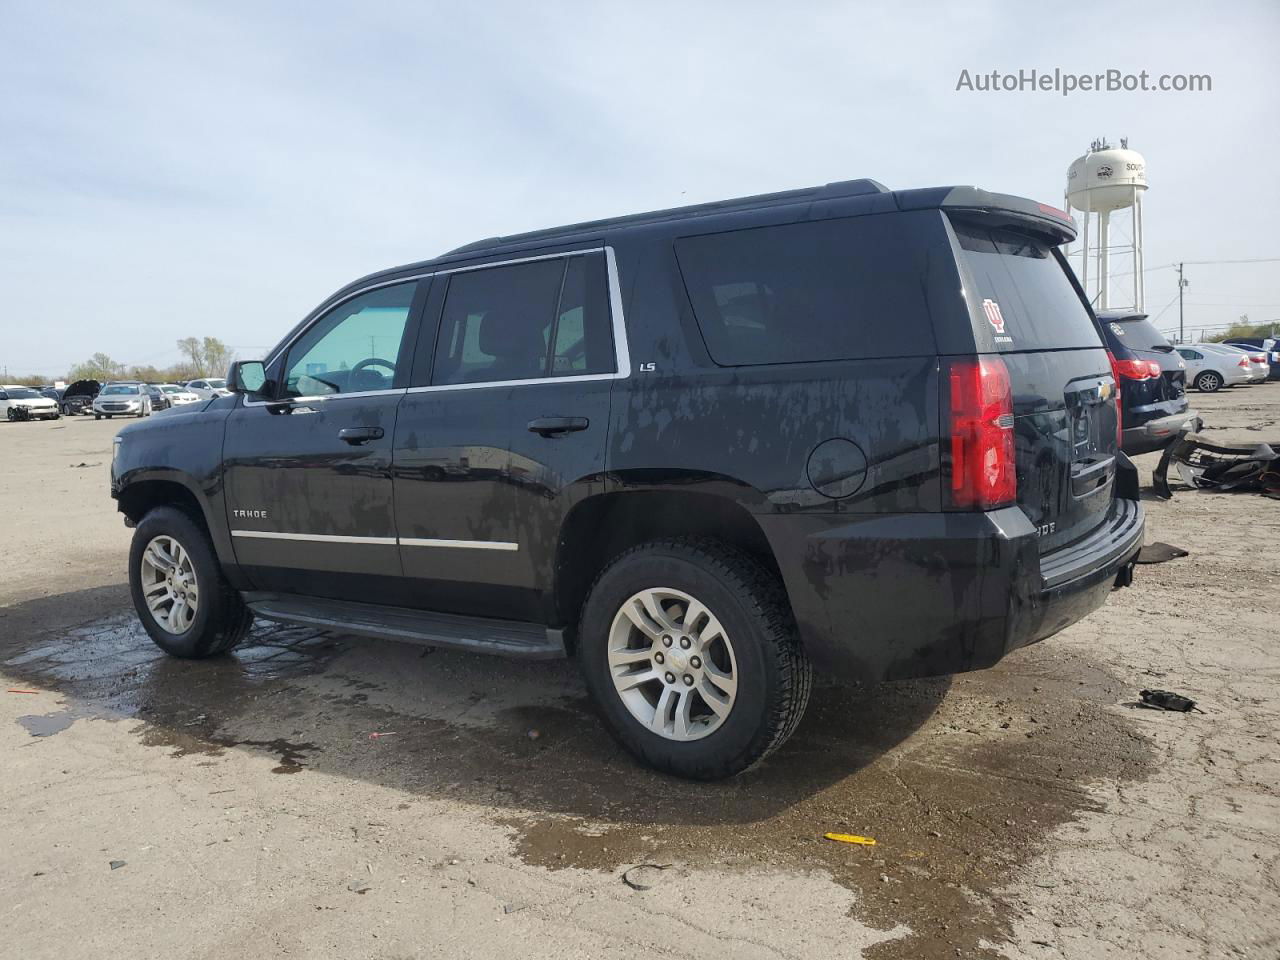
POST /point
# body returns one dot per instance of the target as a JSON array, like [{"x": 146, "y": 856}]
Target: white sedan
[
  {"x": 19, "y": 402},
  {"x": 209, "y": 387},
  {"x": 179, "y": 395}
]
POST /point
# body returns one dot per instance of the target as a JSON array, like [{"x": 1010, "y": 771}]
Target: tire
[
  {"x": 9, "y": 413},
  {"x": 758, "y": 645},
  {"x": 221, "y": 619},
  {"x": 1209, "y": 382}
]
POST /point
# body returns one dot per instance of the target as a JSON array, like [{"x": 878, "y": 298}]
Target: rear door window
[
  {"x": 824, "y": 290},
  {"x": 1027, "y": 296},
  {"x": 525, "y": 321}
]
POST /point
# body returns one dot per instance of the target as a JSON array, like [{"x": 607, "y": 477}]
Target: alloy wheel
[
  {"x": 169, "y": 584},
  {"x": 672, "y": 664}
]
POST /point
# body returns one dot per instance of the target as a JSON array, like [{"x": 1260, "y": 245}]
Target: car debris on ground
[
  {"x": 1166, "y": 700},
  {"x": 1211, "y": 466}
]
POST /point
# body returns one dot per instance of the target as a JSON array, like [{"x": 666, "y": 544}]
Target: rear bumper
[
  {"x": 914, "y": 595},
  {"x": 1156, "y": 433}
]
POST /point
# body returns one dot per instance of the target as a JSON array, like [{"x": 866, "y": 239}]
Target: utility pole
[{"x": 1181, "y": 284}]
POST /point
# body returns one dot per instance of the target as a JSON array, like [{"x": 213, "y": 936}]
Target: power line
[{"x": 1199, "y": 263}]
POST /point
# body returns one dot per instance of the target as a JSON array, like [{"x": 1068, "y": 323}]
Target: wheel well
[
  {"x": 138, "y": 499},
  {"x": 600, "y": 528}
]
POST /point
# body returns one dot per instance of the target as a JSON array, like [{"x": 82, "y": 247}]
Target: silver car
[
  {"x": 207, "y": 388},
  {"x": 122, "y": 400},
  {"x": 1210, "y": 369}
]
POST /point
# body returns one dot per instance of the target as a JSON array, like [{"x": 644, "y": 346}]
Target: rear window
[
  {"x": 1137, "y": 333},
  {"x": 824, "y": 290},
  {"x": 1028, "y": 298}
]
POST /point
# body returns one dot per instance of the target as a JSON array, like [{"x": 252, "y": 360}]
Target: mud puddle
[{"x": 959, "y": 782}]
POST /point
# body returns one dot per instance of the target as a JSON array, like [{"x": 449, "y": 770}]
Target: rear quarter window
[
  {"x": 1034, "y": 300},
  {"x": 823, "y": 290}
]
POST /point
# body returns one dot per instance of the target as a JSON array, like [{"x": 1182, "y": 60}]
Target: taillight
[
  {"x": 1135, "y": 369},
  {"x": 1115, "y": 375},
  {"x": 983, "y": 470},
  {"x": 1244, "y": 362}
]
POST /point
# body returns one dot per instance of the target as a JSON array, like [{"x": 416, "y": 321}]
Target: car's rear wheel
[
  {"x": 691, "y": 653},
  {"x": 1209, "y": 382},
  {"x": 179, "y": 592}
]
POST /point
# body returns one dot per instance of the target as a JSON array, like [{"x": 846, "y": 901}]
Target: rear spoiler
[{"x": 1016, "y": 211}]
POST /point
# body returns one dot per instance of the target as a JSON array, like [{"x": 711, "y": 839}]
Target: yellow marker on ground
[{"x": 851, "y": 838}]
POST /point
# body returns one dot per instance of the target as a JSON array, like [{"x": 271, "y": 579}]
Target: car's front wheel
[
  {"x": 690, "y": 651},
  {"x": 179, "y": 592},
  {"x": 1209, "y": 382}
]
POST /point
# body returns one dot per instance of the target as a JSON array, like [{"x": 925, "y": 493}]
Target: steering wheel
[
  {"x": 358, "y": 373},
  {"x": 374, "y": 362}
]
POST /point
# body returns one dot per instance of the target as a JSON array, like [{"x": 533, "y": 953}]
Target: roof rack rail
[{"x": 830, "y": 191}]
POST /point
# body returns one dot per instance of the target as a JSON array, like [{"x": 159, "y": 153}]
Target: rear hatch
[{"x": 1026, "y": 308}]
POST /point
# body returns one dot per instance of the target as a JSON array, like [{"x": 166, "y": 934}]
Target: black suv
[
  {"x": 707, "y": 451},
  {"x": 1152, "y": 378}
]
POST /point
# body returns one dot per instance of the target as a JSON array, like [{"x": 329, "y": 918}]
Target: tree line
[{"x": 201, "y": 357}]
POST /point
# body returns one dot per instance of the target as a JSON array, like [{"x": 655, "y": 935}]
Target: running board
[{"x": 506, "y": 638}]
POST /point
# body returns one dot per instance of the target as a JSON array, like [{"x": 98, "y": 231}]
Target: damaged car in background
[
  {"x": 26, "y": 403},
  {"x": 1152, "y": 378}
]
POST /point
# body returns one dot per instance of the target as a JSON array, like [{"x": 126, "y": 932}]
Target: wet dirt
[
  {"x": 959, "y": 781},
  {"x": 47, "y": 724}
]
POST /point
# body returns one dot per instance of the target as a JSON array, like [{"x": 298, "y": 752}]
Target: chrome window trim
[
  {"x": 378, "y": 541},
  {"x": 621, "y": 349},
  {"x": 399, "y": 391},
  {"x": 515, "y": 260}
]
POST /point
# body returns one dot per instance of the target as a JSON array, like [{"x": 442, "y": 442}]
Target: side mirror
[{"x": 247, "y": 376}]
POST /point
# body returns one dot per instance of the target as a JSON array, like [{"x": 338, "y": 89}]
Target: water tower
[{"x": 1104, "y": 181}]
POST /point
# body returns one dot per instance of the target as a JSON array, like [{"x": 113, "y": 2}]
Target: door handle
[
  {"x": 358, "y": 435},
  {"x": 551, "y": 426}
]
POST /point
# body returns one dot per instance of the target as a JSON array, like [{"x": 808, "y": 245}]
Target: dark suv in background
[
  {"x": 707, "y": 451},
  {"x": 1152, "y": 377}
]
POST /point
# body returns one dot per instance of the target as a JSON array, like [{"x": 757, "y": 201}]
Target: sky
[{"x": 180, "y": 169}]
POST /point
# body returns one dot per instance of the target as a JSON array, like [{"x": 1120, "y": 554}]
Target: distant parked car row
[
  {"x": 116, "y": 398},
  {"x": 1212, "y": 366}
]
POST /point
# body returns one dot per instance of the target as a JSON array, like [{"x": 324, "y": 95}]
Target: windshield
[
  {"x": 118, "y": 388},
  {"x": 217, "y": 384},
  {"x": 170, "y": 388},
  {"x": 22, "y": 393}
]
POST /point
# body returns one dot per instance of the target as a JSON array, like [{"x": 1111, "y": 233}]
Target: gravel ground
[{"x": 1027, "y": 811}]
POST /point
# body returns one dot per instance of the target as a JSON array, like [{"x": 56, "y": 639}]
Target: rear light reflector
[
  {"x": 1135, "y": 369},
  {"x": 980, "y": 417}
]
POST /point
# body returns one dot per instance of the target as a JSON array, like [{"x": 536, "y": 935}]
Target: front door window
[{"x": 355, "y": 348}]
